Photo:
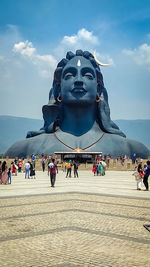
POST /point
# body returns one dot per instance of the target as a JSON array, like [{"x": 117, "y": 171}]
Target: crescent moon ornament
[{"x": 98, "y": 62}]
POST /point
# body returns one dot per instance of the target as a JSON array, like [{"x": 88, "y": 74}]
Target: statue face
[{"x": 78, "y": 82}]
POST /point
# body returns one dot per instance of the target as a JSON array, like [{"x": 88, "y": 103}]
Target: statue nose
[{"x": 78, "y": 83}]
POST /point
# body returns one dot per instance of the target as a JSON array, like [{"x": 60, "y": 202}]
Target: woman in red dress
[
  {"x": 94, "y": 170},
  {"x": 13, "y": 169}
]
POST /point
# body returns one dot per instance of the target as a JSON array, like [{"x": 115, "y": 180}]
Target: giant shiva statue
[{"x": 78, "y": 115}]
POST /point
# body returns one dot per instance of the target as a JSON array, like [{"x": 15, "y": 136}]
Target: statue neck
[{"x": 78, "y": 119}]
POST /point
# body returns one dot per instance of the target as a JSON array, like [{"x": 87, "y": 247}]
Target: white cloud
[
  {"x": 25, "y": 75},
  {"x": 140, "y": 55},
  {"x": 24, "y": 48},
  {"x": 80, "y": 38},
  {"x": 25, "y": 72},
  {"x": 43, "y": 62},
  {"x": 84, "y": 40}
]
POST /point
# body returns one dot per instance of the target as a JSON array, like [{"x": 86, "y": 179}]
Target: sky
[{"x": 35, "y": 36}]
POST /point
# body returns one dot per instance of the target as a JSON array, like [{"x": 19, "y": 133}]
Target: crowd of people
[
  {"x": 16, "y": 166},
  {"x": 99, "y": 168},
  {"x": 6, "y": 171},
  {"x": 67, "y": 167},
  {"x": 141, "y": 174},
  {"x": 70, "y": 168}
]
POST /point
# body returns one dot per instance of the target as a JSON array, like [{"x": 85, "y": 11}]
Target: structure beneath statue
[
  {"x": 78, "y": 115},
  {"x": 78, "y": 156}
]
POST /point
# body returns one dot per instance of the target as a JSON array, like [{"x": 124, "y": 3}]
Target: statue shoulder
[
  {"x": 33, "y": 145},
  {"x": 139, "y": 149},
  {"x": 117, "y": 145}
]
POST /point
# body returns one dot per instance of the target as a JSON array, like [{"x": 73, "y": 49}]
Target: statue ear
[{"x": 50, "y": 113}]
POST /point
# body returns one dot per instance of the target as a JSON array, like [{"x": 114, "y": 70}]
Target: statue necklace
[{"x": 79, "y": 149}]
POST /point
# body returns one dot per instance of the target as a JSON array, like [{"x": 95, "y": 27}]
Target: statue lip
[{"x": 78, "y": 90}]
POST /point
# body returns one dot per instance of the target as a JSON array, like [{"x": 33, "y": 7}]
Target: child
[
  {"x": 138, "y": 177},
  {"x": 9, "y": 176},
  {"x": 94, "y": 170}
]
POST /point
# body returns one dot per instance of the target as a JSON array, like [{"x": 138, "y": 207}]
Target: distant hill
[
  {"x": 138, "y": 130},
  {"x": 13, "y": 129}
]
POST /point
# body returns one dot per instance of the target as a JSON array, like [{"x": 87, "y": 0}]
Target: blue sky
[{"x": 35, "y": 35}]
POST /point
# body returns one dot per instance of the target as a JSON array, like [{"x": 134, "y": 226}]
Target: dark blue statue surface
[{"x": 78, "y": 115}]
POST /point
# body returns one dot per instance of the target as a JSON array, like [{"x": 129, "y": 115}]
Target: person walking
[
  {"x": 146, "y": 175},
  {"x": 48, "y": 167},
  {"x": 13, "y": 168},
  {"x": 75, "y": 169},
  {"x": 138, "y": 179},
  {"x": 100, "y": 168},
  {"x": 4, "y": 173},
  {"x": 94, "y": 170},
  {"x": 0, "y": 170},
  {"x": 104, "y": 166},
  {"x": 19, "y": 165},
  {"x": 64, "y": 166},
  {"x": 43, "y": 165},
  {"x": 53, "y": 169},
  {"x": 27, "y": 168},
  {"x": 68, "y": 166},
  {"x": 139, "y": 176},
  {"x": 32, "y": 170},
  {"x": 9, "y": 176},
  {"x": 33, "y": 161}
]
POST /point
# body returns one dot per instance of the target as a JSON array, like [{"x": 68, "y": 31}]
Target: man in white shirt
[{"x": 27, "y": 168}]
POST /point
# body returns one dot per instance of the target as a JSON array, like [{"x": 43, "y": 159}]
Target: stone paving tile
[
  {"x": 114, "y": 183},
  {"x": 125, "y": 200},
  {"x": 32, "y": 225},
  {"x": 80, "y": 249},
  {"x": 75, "y": 229},
  {"x": 82, "y": 215}
]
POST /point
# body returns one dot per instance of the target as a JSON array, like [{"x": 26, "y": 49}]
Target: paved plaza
[{"x": 85, "y": 221}]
